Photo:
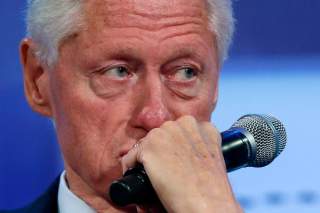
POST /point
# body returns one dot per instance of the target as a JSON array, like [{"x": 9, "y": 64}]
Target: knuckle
[
  {"x": 143, "y": 156},
  {"x": 212, "y": 131},
  {"x": 187, "y": 118},
  {"x": 219, "y": 139},
  {"x": 157, "y": 135},
  {"x": 156, "y": 132},
  {"x": 168, "y": 124},
  {"x": 211, "y": 127}
]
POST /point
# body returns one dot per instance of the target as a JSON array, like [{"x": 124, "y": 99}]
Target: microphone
[{"x": 252, "y": 141}]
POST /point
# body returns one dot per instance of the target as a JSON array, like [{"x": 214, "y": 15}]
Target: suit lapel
[{"x": 46, "y": 203}]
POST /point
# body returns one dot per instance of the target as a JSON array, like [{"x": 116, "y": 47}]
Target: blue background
[{"x": 274, "y": 68}]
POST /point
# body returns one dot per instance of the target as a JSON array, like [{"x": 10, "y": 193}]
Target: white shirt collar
[{"x": 68, "y": 201}]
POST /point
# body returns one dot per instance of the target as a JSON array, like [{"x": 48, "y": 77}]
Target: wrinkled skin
[{"x": 139, "y": 72}]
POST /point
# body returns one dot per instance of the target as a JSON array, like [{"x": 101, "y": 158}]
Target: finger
[
  {"x": 131, "y": 159},
  {"x": 192, "y": 130},
  {"x": 174, "y": 130},
  {"x": 213, "y": 141},
  {"x": 146, "y": 149},
  {"x": 211, "y": 134}
]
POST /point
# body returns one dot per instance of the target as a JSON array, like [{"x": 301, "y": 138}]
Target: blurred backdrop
[{"x": 273, "y": 68}]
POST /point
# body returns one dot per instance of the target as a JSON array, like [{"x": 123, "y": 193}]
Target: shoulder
[{"x": 46, "y": 203}]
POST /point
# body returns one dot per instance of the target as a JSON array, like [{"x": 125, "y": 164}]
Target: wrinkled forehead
[{"x": 150, "y": 13}]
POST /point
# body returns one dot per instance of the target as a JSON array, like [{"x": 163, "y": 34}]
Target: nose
[{"x": 151, "y": 109}]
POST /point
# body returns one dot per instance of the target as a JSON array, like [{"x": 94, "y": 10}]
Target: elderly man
[{"x": 112, "y": 74}]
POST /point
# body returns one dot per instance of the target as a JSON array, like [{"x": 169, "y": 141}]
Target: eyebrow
[
  {"x": 130, "y": 54},
  {"x": 184, "y": 52}
]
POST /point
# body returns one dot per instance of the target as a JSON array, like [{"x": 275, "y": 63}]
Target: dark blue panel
[{"x": 277, "y": 27}]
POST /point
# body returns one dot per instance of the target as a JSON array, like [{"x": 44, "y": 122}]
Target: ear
[{"x": 36, "y": 79}]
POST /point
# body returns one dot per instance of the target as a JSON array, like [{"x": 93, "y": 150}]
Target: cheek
[
  {"x": 201, "y": 106},
  {"x": 90, "y": 130},
  {"x": 107, "y": 88},
  {"x": 91, "y": 140}
]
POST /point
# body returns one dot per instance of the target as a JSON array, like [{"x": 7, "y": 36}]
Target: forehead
[
  {"x": 150, "y": 14},
  {"x": 142, "y": 27}
]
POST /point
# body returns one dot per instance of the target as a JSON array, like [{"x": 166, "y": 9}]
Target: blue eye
[
  {"x": 117, "y": 72},
  {"x": 185, "y": 74}
]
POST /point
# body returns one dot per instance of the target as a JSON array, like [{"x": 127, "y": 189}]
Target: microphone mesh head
[{"x": 269, "y": 135}]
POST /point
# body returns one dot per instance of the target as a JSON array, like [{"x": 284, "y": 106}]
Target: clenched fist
[{"x": 184, "y": 163}]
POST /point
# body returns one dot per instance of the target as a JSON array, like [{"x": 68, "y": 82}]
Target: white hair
[
  {"x": 221, "y": 23},
  {"x": 49, "y": 22}
]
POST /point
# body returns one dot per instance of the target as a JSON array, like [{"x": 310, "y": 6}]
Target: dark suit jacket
[{"x": 46, "y": 203}]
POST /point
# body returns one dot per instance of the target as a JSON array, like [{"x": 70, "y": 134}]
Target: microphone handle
[
  {"x": 237, "y": 149},
  {"x": 135, "y": 187}
]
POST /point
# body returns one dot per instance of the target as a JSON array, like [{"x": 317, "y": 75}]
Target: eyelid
[
  {"x": 113, "y": 66},
  {"x": 104, "y": 70},
  {"x": 181, "y": 67},
  {"x": 188, "y": 67},
  {"x": 197, "y": 67}
]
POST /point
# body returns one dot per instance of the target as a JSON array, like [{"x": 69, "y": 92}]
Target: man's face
[{"x": 135, "y": 65}]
